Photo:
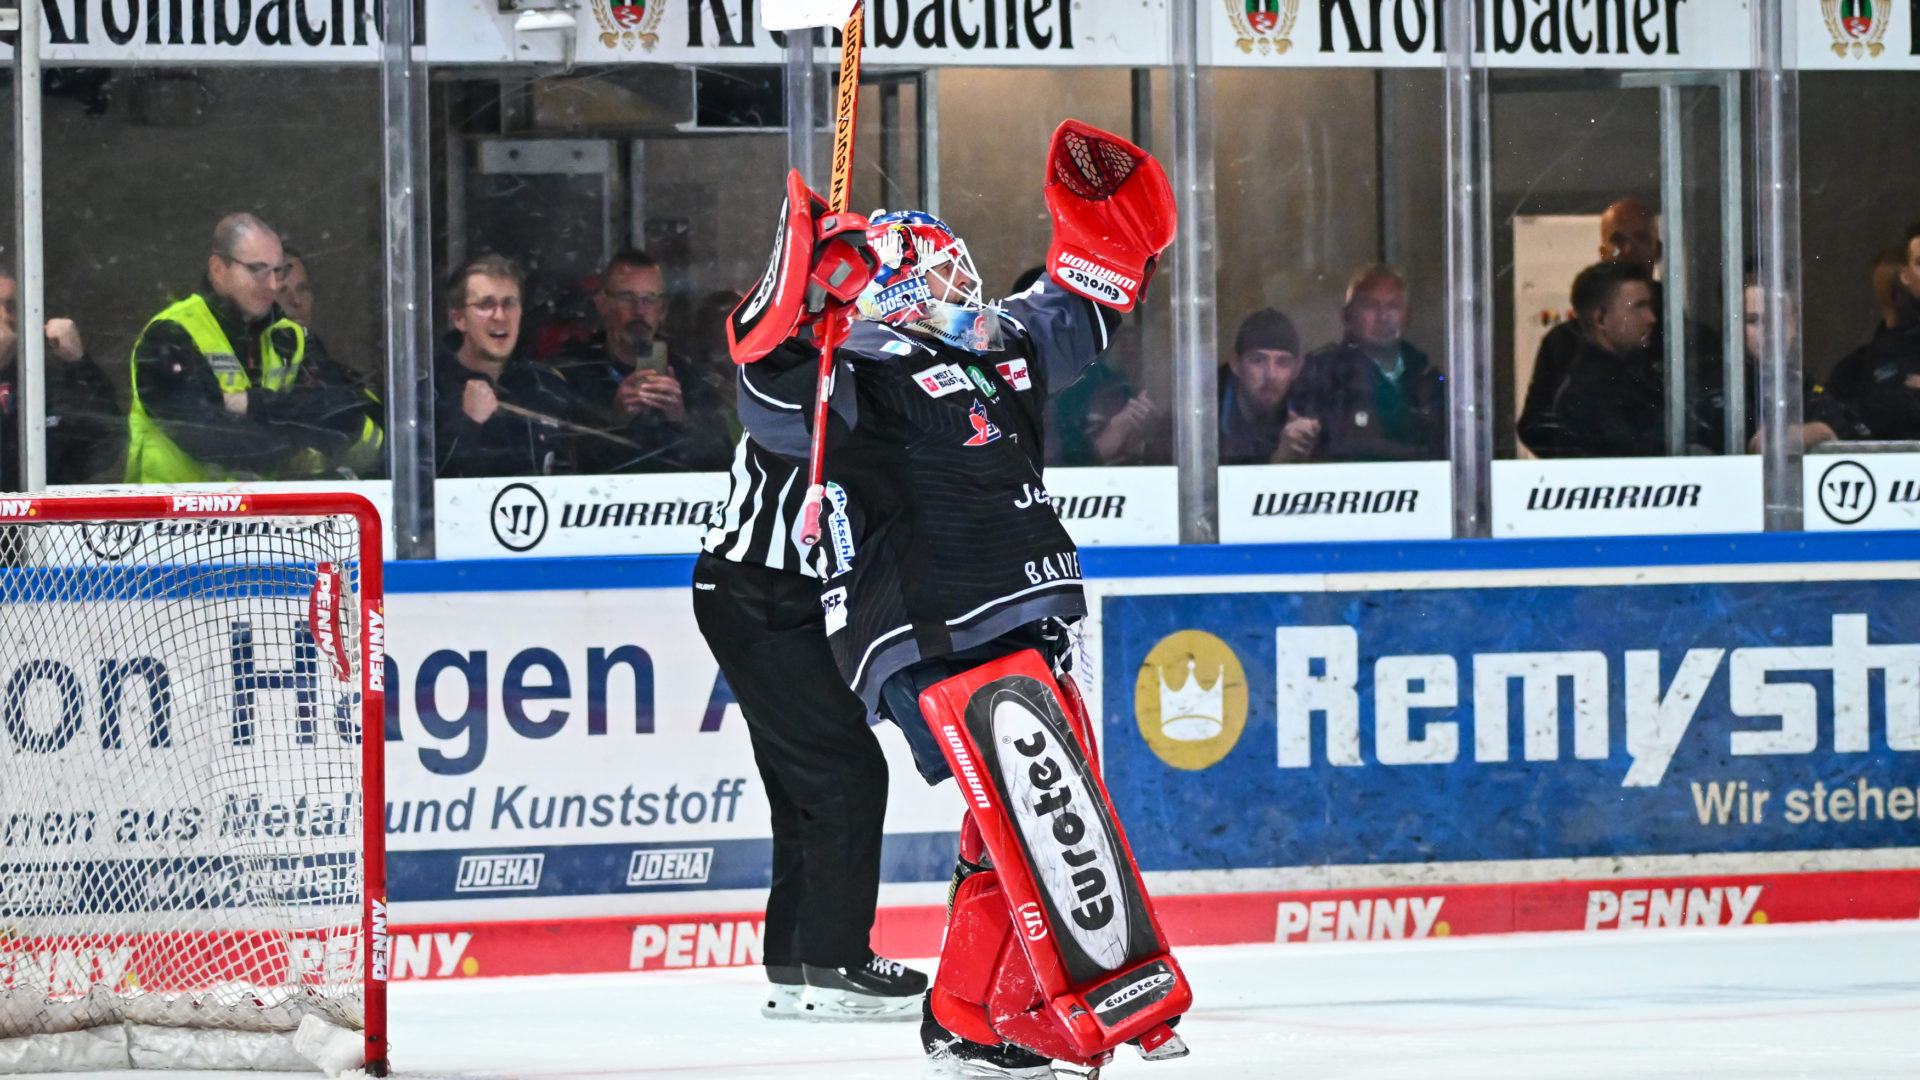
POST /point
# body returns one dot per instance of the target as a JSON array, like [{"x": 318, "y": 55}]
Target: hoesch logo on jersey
[
  {"x": 1016, "y": 374},
  {"x": 840, "y": 528},
  {"x": 941, "y": 380},
  {"x": 500, "y": 873},
  {"x": 674, "y": 866},
  {"x": 16, "y": 507},
  {"x": 984, "y": 430},
  {"x": 1061, "y": 823},
  {"x": 208, "y": 504},
  {"x": 967, "y": 771}
]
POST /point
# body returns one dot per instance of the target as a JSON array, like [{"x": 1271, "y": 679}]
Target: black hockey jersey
[{"x": 937, "y": 531}]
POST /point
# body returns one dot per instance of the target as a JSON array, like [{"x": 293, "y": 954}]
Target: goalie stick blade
[{"x": 803, "y": 14}]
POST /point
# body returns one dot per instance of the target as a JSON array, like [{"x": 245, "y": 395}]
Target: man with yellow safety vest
[{"x": 226, "y": 387}]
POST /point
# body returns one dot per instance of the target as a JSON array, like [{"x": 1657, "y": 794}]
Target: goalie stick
[{"x": 835, "y": 320}]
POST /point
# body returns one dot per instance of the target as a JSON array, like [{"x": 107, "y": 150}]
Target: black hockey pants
[{"x": 825, "y": 776}]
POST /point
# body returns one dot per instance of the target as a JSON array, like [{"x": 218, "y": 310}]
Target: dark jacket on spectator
[
  {"x": 700, "y": 443},
  {"x": 1538, "y": 427},
  {"x": 297, "y": 432},
  {"x": 86, "y": 431},
  {"x": 1244, "y": 442},
  {"x": 507, "y": 444},
  {"x": 1616, "y": 406},
  {"x": 1817, "y": 407},
  {"x": 1880, "y": 381},
  {"x": 1367, "y": 414}
]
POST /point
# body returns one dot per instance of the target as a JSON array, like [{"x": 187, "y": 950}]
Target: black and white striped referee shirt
[{"x": 756, "y": 522}]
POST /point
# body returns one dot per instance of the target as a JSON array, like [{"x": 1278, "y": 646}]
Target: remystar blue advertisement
[{"x": 1458, "y": 724}]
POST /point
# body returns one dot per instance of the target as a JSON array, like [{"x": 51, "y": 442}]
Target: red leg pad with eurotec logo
[{"x": 1097, "y": 971}]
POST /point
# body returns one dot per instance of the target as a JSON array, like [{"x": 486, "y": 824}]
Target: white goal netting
[{"x": 181, "y": 782}]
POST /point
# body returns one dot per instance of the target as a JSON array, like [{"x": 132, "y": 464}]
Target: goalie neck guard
[{"x": 927, "y": 282}]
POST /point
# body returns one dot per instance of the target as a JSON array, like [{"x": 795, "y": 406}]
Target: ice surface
[{"x": 1837, "y": 1000}]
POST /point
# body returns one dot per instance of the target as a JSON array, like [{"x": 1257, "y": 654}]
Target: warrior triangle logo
[{"x": 984, "y": 430}]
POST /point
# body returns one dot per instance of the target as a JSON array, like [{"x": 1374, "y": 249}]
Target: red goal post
[{"x": 192, "y": 856}]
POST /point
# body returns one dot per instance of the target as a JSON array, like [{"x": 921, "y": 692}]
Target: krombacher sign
[{"x": 235, "y": 23}]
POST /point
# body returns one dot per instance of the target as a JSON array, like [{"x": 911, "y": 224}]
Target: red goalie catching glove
[
  {"x": 813, "y": 246},
  {"x": 1113, "y": 213}
]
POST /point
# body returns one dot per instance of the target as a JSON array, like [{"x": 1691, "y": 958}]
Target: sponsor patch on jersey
[
  {"x": 941, "y": 380},
  {"x": 833, "y": 603},
  {"x": 1016, "y": 374},
  {"x": 897, "y": 348},
  {"x": 985, "y": 384},
  {"x": 984, "y": 430}
]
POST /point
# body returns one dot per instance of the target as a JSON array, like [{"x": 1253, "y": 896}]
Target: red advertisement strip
[{"x": 726, "y": 940}]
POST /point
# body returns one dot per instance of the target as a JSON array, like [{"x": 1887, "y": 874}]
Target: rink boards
[{"x": 1306, "y": 743}]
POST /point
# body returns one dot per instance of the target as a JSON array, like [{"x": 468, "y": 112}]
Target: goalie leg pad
[{"x": 1082, "y": 918}]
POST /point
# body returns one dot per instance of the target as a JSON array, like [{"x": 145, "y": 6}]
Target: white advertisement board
[
  {"x": 543, "y": 516},
  {"x": 667, "y": 513},
  {"x": 1575, "y": 34},
  {"x": 1401, "y": 500},
  {"x": 1627, "y": 496},
  {"x": 1119, "y": 504},
  {"x": 1861, "y": 491},
  {"x": 589, "y": 728}
]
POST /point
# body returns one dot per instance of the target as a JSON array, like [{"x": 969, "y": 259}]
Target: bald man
[
  {"x": 1629, "y": 236},
  {"x": 226, "y": 387}
]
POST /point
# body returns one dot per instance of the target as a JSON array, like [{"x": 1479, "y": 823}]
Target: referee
[{"x": 757, "y": 601}]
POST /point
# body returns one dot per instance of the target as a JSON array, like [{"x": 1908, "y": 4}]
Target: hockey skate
[
  {"x": 949, "y": 1055},
  {"x": 881, "y": 989},
  {"x": 785, "y": 986}
]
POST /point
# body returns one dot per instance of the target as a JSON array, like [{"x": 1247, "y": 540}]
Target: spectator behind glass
[
  {"x": 1629, "y": 235},
  {"x": 226, "y": 387},
  {"x": 1825, "y": 419},
  {"x": 1377, "y": 397},
  {"x": 296, "y": 290},
  {"x": 629, "y": 383},
  {"x": 1880, "y": 381},
  {"x": 709, "y": 358},
  {"x": 1258, "y": 421},
  {"x": 1613, "y": 403},
  {"x": 495, "y": 412},
  {"x": 84, "y": 425},
  {"x": 1098, "y": 420}
]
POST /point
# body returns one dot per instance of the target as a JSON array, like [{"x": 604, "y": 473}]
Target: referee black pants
[{"x": 825, "y": 777}]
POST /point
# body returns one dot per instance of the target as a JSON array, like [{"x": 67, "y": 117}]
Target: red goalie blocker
[
  {"x": 812, "y": 246},
  {"x": 1056, "y": 947}
]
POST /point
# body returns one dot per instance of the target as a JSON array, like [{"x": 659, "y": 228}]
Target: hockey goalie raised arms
[
  {"x": 814, "y": 246},
  {"x": 1055, "y": 945},
  {"x": 1113, "y": 213}
]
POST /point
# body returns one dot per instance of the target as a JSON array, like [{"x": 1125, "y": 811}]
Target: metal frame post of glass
[
  {"x": 1776, "y": 128},
  {"x": 1469, "y": 278},
  {"x": 1196, "y": 429},
  {"x": 30, "y": 252},
  {"x": 409, "y": 314}
]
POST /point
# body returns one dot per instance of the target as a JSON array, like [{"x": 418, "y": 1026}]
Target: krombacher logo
[
  {"x": 216, "y": 22},
  {"x": 1541, "y": 27}
]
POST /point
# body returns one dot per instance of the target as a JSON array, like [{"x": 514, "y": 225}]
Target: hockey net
[{"x": 190, "y": 735}]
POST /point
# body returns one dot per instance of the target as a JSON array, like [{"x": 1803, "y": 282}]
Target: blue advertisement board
[{"x": 1289, "y": 729}]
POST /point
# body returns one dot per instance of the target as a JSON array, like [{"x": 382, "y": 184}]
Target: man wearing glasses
[
  {"x": 226, "y": 387},
  {"x": 629, "y": 383}
]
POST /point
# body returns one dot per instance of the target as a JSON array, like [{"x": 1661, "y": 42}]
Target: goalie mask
[{"x": 927, "y": 282}]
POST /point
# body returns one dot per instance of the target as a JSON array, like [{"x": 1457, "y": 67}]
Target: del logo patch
[{"x": 1016, "y": 374}]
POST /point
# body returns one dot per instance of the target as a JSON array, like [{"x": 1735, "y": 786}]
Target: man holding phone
[{"x": 631, "y": 385}]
